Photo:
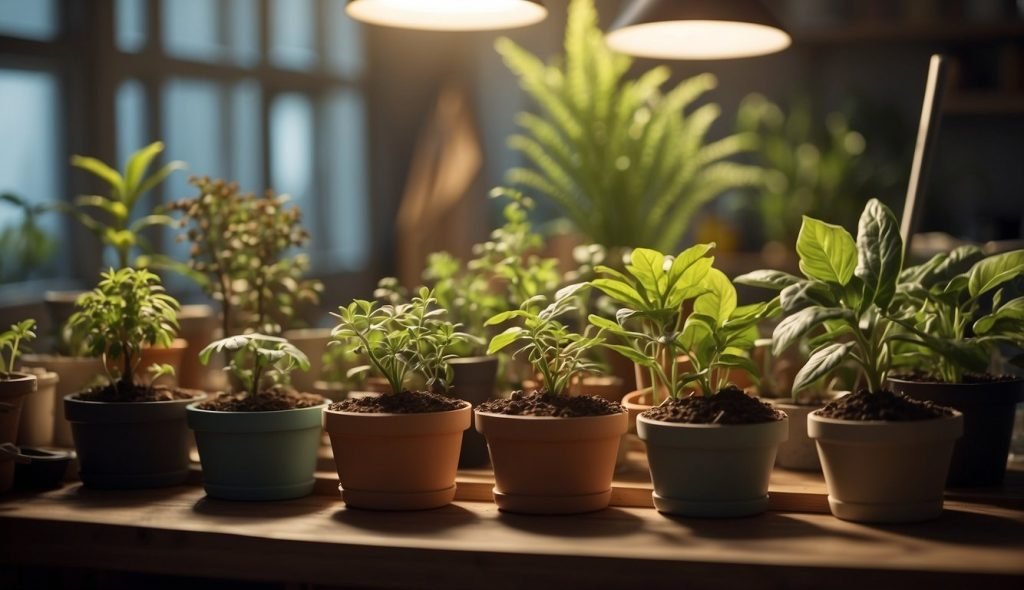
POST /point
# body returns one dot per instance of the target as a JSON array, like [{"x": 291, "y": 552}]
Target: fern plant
[{"x": 624, "y": 161}]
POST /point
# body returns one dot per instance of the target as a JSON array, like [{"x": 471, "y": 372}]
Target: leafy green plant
[
  {"x": 26, "y": 246},
  {"x": 655, "y": 328},
  {"x": 11, "y": 342},
  {"x": 620, "y": 158},
  {"x": 242, "y": 255},
  {"x": 401, "y": 340},
  {"x": 847, "y": 290},
  {"x": 257, "y": 361},
  {"x": 111, "y": 217},
  {"x": 556, "y": 353},
  {"x": 127, "y": 310},
  {"x": 949, "y": 329},
  {"x": 336, "y": 361}
]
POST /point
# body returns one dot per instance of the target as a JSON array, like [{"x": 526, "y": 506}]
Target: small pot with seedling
[
  {"x": 399, "y": 450},
  {"x": 710, "y": 452},
  {"x": 14, "y": 388},
  {"x": 260, "y": 441},
  {"x": 129, "y": 433},
  {"x": 553, "y": 453},
  {"x": 955, "y": 316},
  {"x": 885, "y": 455}
]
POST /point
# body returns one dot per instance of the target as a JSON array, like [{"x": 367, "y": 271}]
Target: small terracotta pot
[
  {"x": 798, "y": 452},
  {"x": 377, "y": 384},
  {"x": 878, "y": 471},
  {"x": 397, "y": 461},
  {"x": 473, "y": 380},
  {"x": 163, "y": 355},
  {"x": 608, "y": 387},
  {"x": 13, "y": 391},
  {"x": 197, "y": 325},
  {"x": 37, "y": 414},
  {"x": 547, "y": 465},
  {"x": 636, "y": 403},
  {"x": 313, "y": 343},
  {"x": 74, "y": 374}
]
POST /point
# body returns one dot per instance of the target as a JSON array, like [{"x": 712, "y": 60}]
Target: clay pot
[
  {"x": 473, "y": 380},
  {"x": 711, "y": 470},
  {"x": 878, "y": 471},
  {"x": 979, "y": 456},
  {"x": 547, "y": 465},
  {"x": 397, "y": 461},
  {"x": 13, "y": 391},
  {"x": 74, "y": 374},
  {"x": 172, "y": 355},
  {"x": 377, "y": 385},
  {"x": 607, "y": 387},
  {"x": 197, "y": 325},
  {"x": 313, "y": 343},
  {"x": 130, "y": 444},
  {"x": 636, "y": 402},
  {"x": 37, "y": 413},
  {"x": 257, "y": 455},
  {"x": 798, "y": 452}
]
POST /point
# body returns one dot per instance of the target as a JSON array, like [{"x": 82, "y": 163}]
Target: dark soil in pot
[
  {"x": 405, "y": 402},
  {"x": 543, "y": 403},
  {"x": 729, "y": 406},
  {"x": 134, "y": 394},
  {"x": 883, "y": 405},
  {"x": 267, "y": 401}
]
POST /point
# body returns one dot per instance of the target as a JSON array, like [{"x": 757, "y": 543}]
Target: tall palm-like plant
[{"x": 626, "y": 163}]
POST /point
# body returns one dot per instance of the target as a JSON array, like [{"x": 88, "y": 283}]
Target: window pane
[
  {"x": 292, "y": 159},
  {"x": 344, "y": 162},
  {"x": 293, "y": 33},
  {"x": 32, "y": 19},
  {"x": 131, "y": 25},
  {"x": 246, "y": 136},
  {"x": 344, "y": 41},
  {"x": 191, "y": 29},
  {"x": 131, "y": 119},
  {"x": 30, "y": 168},
  {"x": 243, "y": 32}
]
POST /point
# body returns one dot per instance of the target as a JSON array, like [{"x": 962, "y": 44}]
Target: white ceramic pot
[
  {"x": 798, "y": 452},
  {"x": 711, "y": 470},
  {"x": 76, "y": 374},
  {"x": 879, "y": 471},
  {"x": 37, "y": 413}
]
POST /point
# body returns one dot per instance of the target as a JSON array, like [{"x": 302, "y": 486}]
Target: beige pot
[
  {"x": 880, "y": 471},
  {"x": 37, "y": 413},
  {"x": 197, "y": 325},
  {"x": 547, "y": 465},
  {"x": 636, "y": 402},
  {"x": 13, "y": 392},
  {"x": 74, "y": 374},
  {"x": 313, "y": 343},
  {"x": 798, "y": 452}
]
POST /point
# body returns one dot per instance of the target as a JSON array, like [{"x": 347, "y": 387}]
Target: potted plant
[
  {"x": 955, "y": 315},
  {"x": 553, "y": 453},
  {"x": 885, "y": 455},
  {"x": 14, "y": 388},
  {"x": 128, "y": 432},
  {"x": 258, "y": 442},
  {"x": 398, "y": 450},
  {"x": 710, "y": 452}
]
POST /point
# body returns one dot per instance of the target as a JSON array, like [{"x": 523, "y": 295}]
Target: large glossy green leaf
[
  {"x": 621, "y": 293},
  {"x": 805, "y": 293},
  {"x": 827, "y": 252},
  {"x": 994, "y": 271},
  {"x": 719, "y": 299},
  {"x": 502, "y": 340},
  {"x": 822, "y": 362},
  {"x": 648, "y": 267},
  {"x": 1011, "y": 310},
  {"x": 794, "y": 327},
  {"x": 767, "y": 279},
  {"x": 879, "y": 253}
]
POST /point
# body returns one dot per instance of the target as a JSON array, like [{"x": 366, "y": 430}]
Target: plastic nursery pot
[
  {"x": 397, "y": 461},
  {"x": 798, "y": 452},
  {"x": 979, "y": 456},
  {"x": 313, "y": 343},
  {"x": 74, "y": 374},
  {"x": 711, "y": 470},
  {"x": 878, "y": 471},
  {"x": 549, "y": 465},
  {"x": 37, "y": 413},
  {"x": 39, "y": 469},
  {"x": 473, "y": 380},
  {"x": 13, "y": 392},
  {"x": 257, "y": 455},
  {"x": 128, "y": 445}
]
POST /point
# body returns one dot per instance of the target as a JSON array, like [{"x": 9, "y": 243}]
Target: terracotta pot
[
  {"x": 197, "y": 325},
  {"x": 397, "y": 461},
  {"x": 711, "y": 470},
  {"x": 798, "y": 452},
  {"x": 74, "y": 374},
  {"x": 131, "y": 444},
  {"x": 607, "y": 387},
  {"x": 879, "y": 471},
  {"x": 979, "y": 456},
  {"x": 313, "y": 343},
  {"x": 377, "y": 384},
  {"x": 37, "y": 413},
  {"x": 547, "y": 465},
  {"x": 162, "y": 355},
  {"x": 621, "y": 367},
  {"x": 636, "y": 402},
  {"x": 473, "y": 380},
  {"x": 13, "y": 392}
]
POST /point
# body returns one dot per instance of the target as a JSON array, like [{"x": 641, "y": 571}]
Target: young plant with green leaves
[
  {"x": 955, "y": 314},
  {"x": 112, "y": 218},
  {"x": 554, "y": 351},
  {"x": 842, "y": 301},
  {"x": 625, "y": 162},
  {"x": 11, "y": 342},
  {"x": 402, "y": 340},
  {"x": 127, "y": 311},
  {"x": 258, "y": 362},
  {"x": 655, "y": 329},
  {"x": 27, "y": 247}
]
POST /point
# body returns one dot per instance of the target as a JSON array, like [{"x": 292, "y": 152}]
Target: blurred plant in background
[{"x": 26, "y": 246}]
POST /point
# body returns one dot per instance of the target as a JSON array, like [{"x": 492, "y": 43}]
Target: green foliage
[
  {"x": 942, "y": 305},
  {"x": 10, "y": 344},
  {"x": 337, "y": 361},
  {"x": 111, "y": 217},
  {"x": 127, "y": 310},
  {"x": 554, "y": 351},
  {"x": 258, "y": 361},
  {"x": 624, "y": 161},
  {"x": 26, "y": 246},
  {"x": 242, "y": 255},
  {"x": 849, "y": 308},
  {"x": 401, "y": 340}
]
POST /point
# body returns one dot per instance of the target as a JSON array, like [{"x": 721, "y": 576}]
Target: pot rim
[
  {"x": 884, "y": 432},
  {"x": 662, "y": 423},
  {"x": 509, "y": 427},
  {"x": 194, "y": 407},
  {"x": 381, "y": 425},
  {"x": 478, "y": 358},
  {"x": 840, "y": 422},
  {"x": 198, "y": 396},
  {"x": 1017, "y": 381},
  {"x": 461, "y": 408},
  {"x": 20, "y": 384}
]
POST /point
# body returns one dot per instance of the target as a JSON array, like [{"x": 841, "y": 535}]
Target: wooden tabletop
[{"x": 471, "y": 545}]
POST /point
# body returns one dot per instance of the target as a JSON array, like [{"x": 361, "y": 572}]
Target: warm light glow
[
  {"x": 698, "y": 39},
  {"x": 447, "y": 15}
]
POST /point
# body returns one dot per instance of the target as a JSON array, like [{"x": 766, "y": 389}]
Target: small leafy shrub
[
  {"x": 258, "y": 362},
  {"x": 11, "y": 342}
]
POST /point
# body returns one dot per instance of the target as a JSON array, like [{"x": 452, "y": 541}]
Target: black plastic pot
[
  {"x": 41, "y": 469},
  {"x": 979, "y": 458},
  {"x": 473, "y": 380}
]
